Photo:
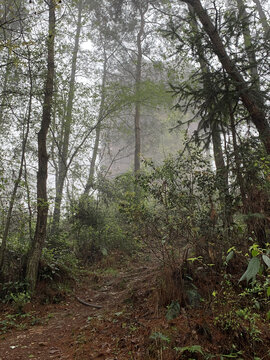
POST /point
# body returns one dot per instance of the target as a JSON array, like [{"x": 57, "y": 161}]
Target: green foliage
[
  {"x": 13, "y": 290},
  {"x": 174, "y": 205},
  {"x": 99, "y": 225},
  {"x": 266, "y": 259},
  {"x": 173, "y": 310},
  {"x": 149, "y": 93},
  {"x": 227, "y": 321},
  {"x": 20, "y": 300},
  {"x": 241, "y": 322},
  {"x": 252, "y": 270},
  {"x": 256, "y": 265},
  {"x": 17, "y": 321},
  {"x": 161, "y": 337},
  {"x": 230, "y": 255},
  {"x": 17, "y": 294},
  {"x": 57, "y": 264},
  {"x": 232, "y": 355},
  {"x": 190, "y": 349}
]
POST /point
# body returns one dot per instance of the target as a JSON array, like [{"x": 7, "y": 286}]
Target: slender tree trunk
[
  {"x": 263, "y": 18},
  {"x": 90, "y": 180},
  {"x": 63, "y": 155},
  {"x": 251, "y": 99},
  {"x": 38, "y": 242},
  {"x": 28, "y": 201},
  {"x": 138, "y": 80},
  {"x": 4, "y": 92},
  {"x": 222, "y": 174},
  {"x": 249, "y": 46},
  {"x": 17, "y": 181},
  {"x": 239, "y": 175}
]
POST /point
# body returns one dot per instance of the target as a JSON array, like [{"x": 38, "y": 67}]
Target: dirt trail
[
  {"x": 71, "y": 330},
  {"x": 129, "y": 326}
]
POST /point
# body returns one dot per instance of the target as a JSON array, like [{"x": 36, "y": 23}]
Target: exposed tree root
[{"x": 88, "y": 304}]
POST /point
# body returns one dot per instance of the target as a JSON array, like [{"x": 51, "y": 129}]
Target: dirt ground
[
  {"x": 73, "y": 330},
  {"x": 121, "y": 329}
]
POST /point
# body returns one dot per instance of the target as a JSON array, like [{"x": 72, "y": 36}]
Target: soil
[{"x": 120, "y": 330}]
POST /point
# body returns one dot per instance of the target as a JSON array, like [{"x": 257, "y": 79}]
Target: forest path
[{"x": 71, "y": 330}]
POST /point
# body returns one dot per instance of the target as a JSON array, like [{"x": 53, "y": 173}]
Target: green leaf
[
  {"x": 232, "y": 356},
  {"x": 257, "y": 305},
  {"x": 268, "y": 291},
  {"x": 266, "y": 259},
  {"x": 231, "y": 249},
  {"x": 229, "y": 256},
  {"x": 104, "y": 252},
  {"x": 252, "y": 270},
  {"x": 255, "y": 252},
  {"x": 191, "y": 349}
]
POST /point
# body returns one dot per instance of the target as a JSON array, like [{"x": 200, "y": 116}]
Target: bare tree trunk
[
  {"x": 263, "y": 18},
  {"x": 64, "y": 146},
  {"x": 138, "y": 79},
  {"x": 4, "y": 92},
  {"x": 17, "y": 181},
  {"x": 90, "y": 180},
  {"x": 239, "y": 175},
  {"x": 251, "y": 99},
  {"x": 38, "y": 242},
  {"x": 222, "y": 175},
  {"x": 28, "y": 201},
  {"x": 249, "y": 47}
]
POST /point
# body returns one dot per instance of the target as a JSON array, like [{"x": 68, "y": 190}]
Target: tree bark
[
  {"x": 138, "y": 80},
  {"x": 63, "y": 155},
  {"x": 250, "y": 98},
  {"x": 249, "y": 46},
  {"x": 4, "y": 92},
  {"x": 239, "y": 176},
  {"x": 38, "y": 242}
]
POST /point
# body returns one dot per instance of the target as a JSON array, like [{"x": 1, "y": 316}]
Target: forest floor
[{"x": 129, "y": 324}]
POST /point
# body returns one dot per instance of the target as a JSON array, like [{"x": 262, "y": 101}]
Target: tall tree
[
  {"x": 213, "y": 120},
  {"x": 38, "y": 242},
  {"x": 251, "y": 98},
  {"x": 249, "y": 45},
  {"x": 142, "y": 8},
  {"x": 66, "y": 127}
]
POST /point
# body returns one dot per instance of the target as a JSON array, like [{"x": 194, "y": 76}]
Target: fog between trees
[{"x": 98, "y": 96}]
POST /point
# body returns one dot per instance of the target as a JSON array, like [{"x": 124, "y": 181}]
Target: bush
[{"x": 174, "y": 206}]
